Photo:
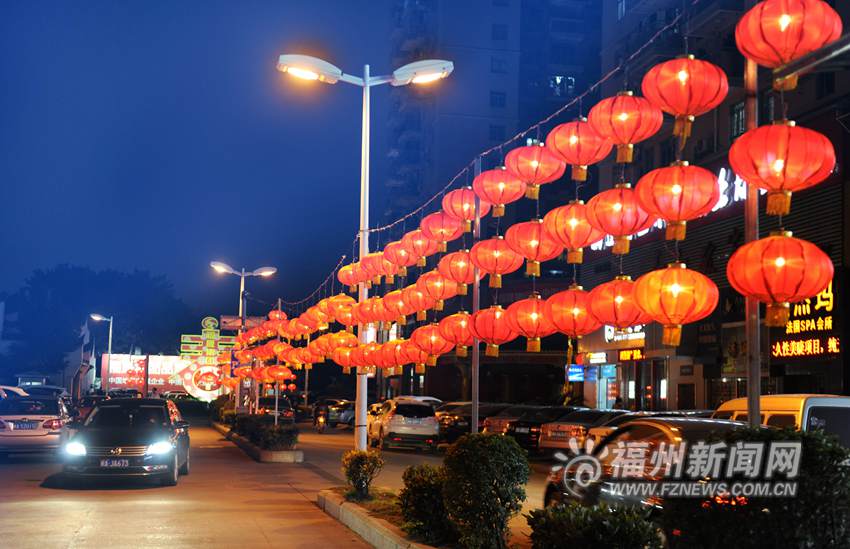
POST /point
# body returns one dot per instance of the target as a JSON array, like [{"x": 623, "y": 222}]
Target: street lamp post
[
  {"x": 100, "y": 318},
  {"x": 420, "y": 72},
  {"x": 224, "y": 268}
]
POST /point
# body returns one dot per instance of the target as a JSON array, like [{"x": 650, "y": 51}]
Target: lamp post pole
[
  {"x": 362, "y": 380},
  {"x": 100, "y": 318},
  {"x": 476, "y": 304},
  {"x": 109, "y": 346},
  {"x": 237, "y": 394}
]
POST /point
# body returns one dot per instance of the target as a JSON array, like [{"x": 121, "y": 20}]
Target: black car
[
  {"x": 456, "y": 423},
  {"x": 132, "y": 437},
  {"x": 526, "y": 429},
  {"x": 286, "y": 414}
]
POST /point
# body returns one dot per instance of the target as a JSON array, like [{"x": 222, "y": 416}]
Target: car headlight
[
  {"x": 75, "y": 449},
  {"x": 159, "y": 448}
]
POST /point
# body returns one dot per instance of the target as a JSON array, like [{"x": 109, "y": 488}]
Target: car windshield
[
  {"x": 414, "y": 410},
  {"x": 23, "y": 406},
  {"x": 544, "y": 415},
  {"x": 127, "y": 416}
]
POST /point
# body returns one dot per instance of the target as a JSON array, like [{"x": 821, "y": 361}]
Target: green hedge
[
  {"x": 422, "y": 506},
  {"x": 360, "y": 469},
  {"x": 263, "y": 433},
  {"x": 597, "y": 527}
]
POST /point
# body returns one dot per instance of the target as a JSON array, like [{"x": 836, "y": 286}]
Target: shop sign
[
  {"x": 596, "y": 358},
  {"x": 632, "y": 333},
  {"x": 575, "y": 372},
  {"x": 630, "y": 354},
  {"x": 809, "y": 331},
  {"x": 205, "y": 348}
]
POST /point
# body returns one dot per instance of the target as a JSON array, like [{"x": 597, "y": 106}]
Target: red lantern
[
  {"x": 394, "y": 303},
  {"x": 377, "y": 266},
  {"x": 458, "y": 266},
  {"x": 414, "y": 355},
  {"x": 535, "y": 165},
  {"x": 345, "y": 316},
  {"x": 675, "y": 296},
  {"x": 782, "y": 158},
  {"x": 274, "y": 314},
  {"x": 498, "y": 187},
  {"x": 569, "y": 226},
  {"x": 430, "y": 340},
  {"x": 625, "y": 120},
  {"x": 455, "y": 329},
  {"x": 779, "y": 270},
  {"x": 495, "y": 257},
  {"x": 350, "y": 275},
  {"x": 776, "y": 32},
  {"x": 678, "y": 194},
  {"x": 613, "y": 303},
  {"x": 528, "y": 318},
  {"x": 437, "y": 287},
  {"x": 417, "y": 301},
  {"x": 460, "y": 204},
  {"x": 569, "y": 311},
  {"x": 685, "y": 87},
  {"x": 417, "y": 244},
  {"x": 384, "y": 314},
  {"x": 530, "y": 240},
  {"x": 342, "y": 356},
  {"x": 344, "y": 339},
  {"x": 579, "y": 145},
  {"x": 338, "y": 302},
  {"x": 397, "y": 254},
  {"x": 392, "y": 352},
  {"x": 292, "y": 387},
  {"x": 617, "y": 212},
  {"x": 441, "y": 228},
  {"x": 491, "y": 326}
]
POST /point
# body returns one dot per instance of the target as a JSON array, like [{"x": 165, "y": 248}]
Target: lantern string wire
[{"x": 321, "y": 286}]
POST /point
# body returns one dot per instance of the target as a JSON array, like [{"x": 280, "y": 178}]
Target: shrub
[
  {"x": 361, "y": 468},
  {"x": 219, "y": 405},
  {"x": 818, "y": 516},
  {"x": 484, "y": 487},
  {"x": 421, "y": 503},
  {"x": 600, "y": 526},
  {"x": 274, "y": 438}
]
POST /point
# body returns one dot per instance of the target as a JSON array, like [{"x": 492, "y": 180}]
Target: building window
[
  {"x": 498, "y": 100},
  {"x": 499, "y": 31},
  {"x": 562, "y": 86},
  {"x": 621, "y": 9},
  {"x": 498, "y": 65},
  {"x": 737, "y": 120},
  {"x": 825, "y": 84},
  {"x": 497, "y": 132}
]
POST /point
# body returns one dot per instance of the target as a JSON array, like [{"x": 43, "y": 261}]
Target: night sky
[{"x": 158, "y": 135}]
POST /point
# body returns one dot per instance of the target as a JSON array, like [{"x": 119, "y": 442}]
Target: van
[{"x": 804, "y": 412}]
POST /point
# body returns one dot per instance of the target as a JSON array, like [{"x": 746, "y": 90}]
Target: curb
[
  {"x": 374, "y": 531},
  {"x": 263, "y": 456}
]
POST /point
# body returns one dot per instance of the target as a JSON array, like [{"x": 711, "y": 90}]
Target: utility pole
[{"x": 476, "y": 304}]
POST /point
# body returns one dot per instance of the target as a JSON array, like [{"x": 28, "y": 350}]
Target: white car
[
  {"x": 7, "y": 391},
  {"x": 32, "y": 424},
  {"x": 403, "y": 422}
]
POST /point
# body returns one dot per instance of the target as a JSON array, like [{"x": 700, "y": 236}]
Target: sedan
[
  {"x": 557, "y": 434},
  {"x": 130, "y": 438},
  {"x": 32, "y": 424},
  {"x": 526, "y": 429}
]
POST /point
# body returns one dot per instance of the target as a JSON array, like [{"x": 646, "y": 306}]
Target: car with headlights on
[
  {"x": 130, "y": 437},
  {"x": 30, "y": 424}
]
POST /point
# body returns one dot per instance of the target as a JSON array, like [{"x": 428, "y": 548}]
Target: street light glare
[
  {"x": 97, "y": 317},
  {"x": 426, "y": 78},
  {"x": 221, "y": 267},
  {"x": 304, "y": 74},
  {"x": 265, "y": 271},
  {"x": 308, "y": 67},
  {"x": 422, "y": 72}
]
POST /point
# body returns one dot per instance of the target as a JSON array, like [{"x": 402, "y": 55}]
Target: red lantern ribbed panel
[
  {"x": 779, "y": 270},
  {"x": 613, "y": 303},
  {"x": 495, "y": 257},
  {"x": 372, "y": 264},
  {"x": 685, "y": 87},
  {"x": 394, "y": 302},
  {"x": 782, "y": 158},
  {"x": 458, "y": 266},
  {"x": 274, "y": 314},
  {"x": 455, "y": 329},
  {"x": 491, "y": 326},
  {"x": 437, "y": 287},
  {"x": 535, "y": 165},
  {"x": 392, "y": 353},
  {"x": 338, "y": 302},
  {"x": 569, "y": 226},
  {"x": 417, "y": 301},
  {"x": 441, "y": 228},
  {"x": 417, "y": 244},
  {"x": 345, "y": 316},
  {"x": 398, "y": 255},
  {"x": 625, "y": 120},
  {"x": 342, "y": 356},
  {"x": 579, "y": 145},
  {"x": 569, "y": 311},
  {"x": 346, "y": 276},
  {"x": 675, "y": 296},
  {"x": 528, "y": 318},
  {"x": 383, "y": 313},
  {"x": 617, "y": 212},
  {"x": 498, "y": 187},
  {"x": 776, "y": 32},
  {"x": 429, "y": 340},
  {"x": 530, "y": 240},
  {"x": 415, "y": 355},
  {"x": 460, "y": 204},
  {"x": 678, "y": 194}
]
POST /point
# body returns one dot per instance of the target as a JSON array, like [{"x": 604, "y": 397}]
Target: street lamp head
[
  {"x": 308, "y": 67},
  {"x": 265, "y": 271},
  {"x": 98, "y": 318},
  {"x": 422, "y": 72},
  {"x": 222, "y": 267}
]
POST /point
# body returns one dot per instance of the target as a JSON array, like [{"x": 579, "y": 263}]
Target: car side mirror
[{"x": 181, "y": 424}]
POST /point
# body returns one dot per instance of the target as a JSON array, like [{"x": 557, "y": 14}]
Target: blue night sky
[{"x": 158, "y": 135}]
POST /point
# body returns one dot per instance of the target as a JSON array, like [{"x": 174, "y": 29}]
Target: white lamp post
[
  {"x": 420, "y": 72},
  {"x": 100, "y": 318}
]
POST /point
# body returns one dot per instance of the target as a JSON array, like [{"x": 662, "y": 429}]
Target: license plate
[
  {"x": 412, "y": 420},
  {"x": 24, "y": 425},
  {"x": 522, "y": 429},
  {"x": 115, "y": 463},
  {"x": 559, "y": 434}
]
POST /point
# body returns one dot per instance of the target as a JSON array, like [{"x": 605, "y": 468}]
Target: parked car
[
  {"x": 499, "y": 423},
  {"x": 653, "y": 429},
  {"x": 404, "y": 422},
  {"x": 266, "y": 406},
  {"x": 45, "y": 391},
  {"x": 557, "y": 434},
  {"x": 7, "y": 391},
  {"x": 347, "y": 413},
  {"x": 804, "y": 412},
  {"x": 130, "y": 437},
  {"x": 31, "y": 424},
  {"x": 176, "y": 395},
  {"x": 125, "y": 393},
  {"x": 526, "y": 429},
  {"x": 599, "y": 432},
  {"x": 448, "y": 407},
  {"x": 455, "y": 424},
  {"x": 87, "y": 403}
]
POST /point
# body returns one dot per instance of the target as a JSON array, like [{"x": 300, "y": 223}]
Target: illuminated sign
[
  {"x": 205, "y": 348},
  {"x": 575, "y": 373},
  {"x": 809, "y": 329},
  {"x": 630, "y": 354},
  {"x": 163, "y": 373},
  {"x": 596, "y": 358},
  {"x": 632, "y": 333}
]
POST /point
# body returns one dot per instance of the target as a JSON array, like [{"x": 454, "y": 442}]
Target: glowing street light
[{"x": 100, "y": 318}]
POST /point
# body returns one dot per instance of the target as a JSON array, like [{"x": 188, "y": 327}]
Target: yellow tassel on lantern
[
  {"x": 491, "y": 350},
  {"x": 467, "y": 225},
  {"x": 625, "y": 153},
  {"x": 349, "y": 329},
  {"x": 352, "y": 288},
  {"x": 675, "y": 230},
  {"x": 460, "y": 351},
  {"x": 579, "y": 173},
  {"x": 419, "y": 368},
  {"x": 498, "y": 210},
  {"x": 390, "y": 279},
  {"x": 621, "y": 245},
  {"x": 785, "y": 84},
  {"x": 778, "y": 203},
  {"x": 532, "y": 345},
  {"x": 495, "y": 281},
  {"x": 682, "y": 126},
  {"x": 671, "y": 335},
  {"x": 346, "y": 369},
  {"x": 432, "y": 360},
  {"x": 777, "y": 314},
  {"x": 575, "y": 256},
  {"x": 461, "y": 289},
  {"x": 532, "y": 268},
  {"x": 438, "y": 306},
  {"x": 420, "y": 315},
  {"x": 402, "y": 271},
  {"x": 441, "y": 246},
  {"x": 421, "y": 262},
  {"x": 402, "y": 319},
  {"x": 532, "y": 192}
]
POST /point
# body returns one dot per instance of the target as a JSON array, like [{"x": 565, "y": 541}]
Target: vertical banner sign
[{"x": 205, "y": 348}]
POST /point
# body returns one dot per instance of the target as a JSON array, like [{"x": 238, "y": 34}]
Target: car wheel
[
  {"x": 170, "y": 478},
  {"x": 184, "y": 469}
]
